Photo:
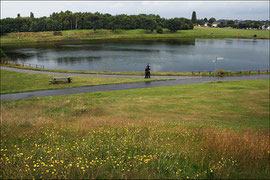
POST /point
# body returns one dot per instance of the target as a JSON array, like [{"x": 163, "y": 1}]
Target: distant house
[
  {"x": 206, "y": 24},
  {"x": 264, "y": 27},
  {"x": 215, "y": 24}
]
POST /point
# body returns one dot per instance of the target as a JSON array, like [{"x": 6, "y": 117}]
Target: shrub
[
  {"x": 220, "y": 73},
  {"x": 159, "y": 30},
  {"x": 57, "y": 33},
  {"x": 3, "y": 56}
]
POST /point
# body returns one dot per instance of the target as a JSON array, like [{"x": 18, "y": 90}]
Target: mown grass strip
[
  {"x": 12, "y": 82},
  {"x": 219, "y": 73}
]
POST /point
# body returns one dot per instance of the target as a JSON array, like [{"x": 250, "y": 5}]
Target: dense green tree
[
  {"x": 230, "y": 23},
  {"x": 96, "y": 23},
  {"x": 86, "y": 20},
  {"x": 211, "y": 20},
  {"x": 39, "y": 24},
  {"x": 256, "y": 25},
  {"x": 52, "y": 25},
  {"x": 174, "y": 24},
  {"x": 188, "y": 24},
  {"x": 221, "y": 25},
  {"x": 6, "y": 25},
  {"x": 201, "y": 22},
  {"x": 25, "y": 24},
  {"x": 149, "y": 24},
  {"x": 105, "y": 18},
  {"x": 34, "y": 27},
  {"x": 159, "y": 30},
  {"x": 114, "y": 23}
]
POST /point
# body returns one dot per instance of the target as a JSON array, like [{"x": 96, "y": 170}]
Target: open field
[
  {"x": 71, "y": 35},
  {"x": 211, "y": 130},
  {"x": 12, "y": 82}
]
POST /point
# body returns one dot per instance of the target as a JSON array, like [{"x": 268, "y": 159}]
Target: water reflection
[
  {"x": 75, "y": 60},
  {"x": 19, "y": 55}
]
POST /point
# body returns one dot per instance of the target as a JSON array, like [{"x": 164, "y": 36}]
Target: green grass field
[
  {"x": 211, "y": 130},
  {"x": 71, "y": 35},
  {"x": 219, "y": 72},
  {"x": 12, "y": 82}
]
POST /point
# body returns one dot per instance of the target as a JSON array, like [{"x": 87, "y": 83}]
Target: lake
[{"x": 167, "y": 55}]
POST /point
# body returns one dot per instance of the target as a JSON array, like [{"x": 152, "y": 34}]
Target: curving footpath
[{"x": 126, "y": 86}]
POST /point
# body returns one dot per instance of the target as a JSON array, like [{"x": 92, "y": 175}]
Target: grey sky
[{"x": 253, "y": 10}]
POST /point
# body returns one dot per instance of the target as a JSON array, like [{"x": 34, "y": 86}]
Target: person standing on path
[{"x": 147, "y": 71}]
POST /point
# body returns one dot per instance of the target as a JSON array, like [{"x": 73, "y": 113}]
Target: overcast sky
[{"x": 242, "y": 10}]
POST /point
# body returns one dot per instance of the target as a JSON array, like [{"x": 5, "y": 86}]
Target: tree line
[
  {"x": 87, "y": 20},
  {"x": 242, "y": 25},
  {"x": 229, "y": 23}
]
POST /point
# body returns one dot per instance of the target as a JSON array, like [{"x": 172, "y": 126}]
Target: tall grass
[
  {"x": 212, "y": 130},
  {"x": 135, "y": 152}
]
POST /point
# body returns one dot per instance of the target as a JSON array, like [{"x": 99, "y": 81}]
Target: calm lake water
[{"x": 168, "y": 55}]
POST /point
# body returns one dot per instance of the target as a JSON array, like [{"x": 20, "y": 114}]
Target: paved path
[
  {"x": 95, "y": 75},
  {"x": 126, "y": 86}
]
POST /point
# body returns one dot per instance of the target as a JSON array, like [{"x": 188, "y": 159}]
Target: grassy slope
[
  {"x": 21, "y": 82},
  {"x": 211, "y": 130},
  {"x": 198, "y": 32}
]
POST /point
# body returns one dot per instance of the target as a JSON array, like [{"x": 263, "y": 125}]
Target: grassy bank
[
  {"x": 219, "y": 72},
  {"x": 12, "y": 82},
  {"x": 197, "y": 32},
  {"x": 212, "y": 130}
]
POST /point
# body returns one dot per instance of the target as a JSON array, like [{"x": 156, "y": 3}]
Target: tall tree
[
  {"x": 149, "y": 24},
  {"x": 96, "y": 21},
  {"x": 174, "y": 24},
  {"x": 194, "y": 18},
  {"x": 211, "y": 20},
  {"x": 230, "y": 23},
  {"x": 31, "y": 15}
]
